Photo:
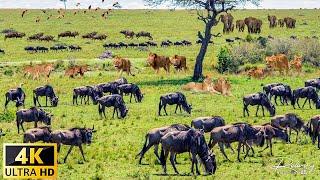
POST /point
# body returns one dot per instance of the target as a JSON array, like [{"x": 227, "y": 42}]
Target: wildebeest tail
[
  {"x": 34, "y": 99},
  {"x": 144, "y": 148},
  {"x": 100, "y": 109}
]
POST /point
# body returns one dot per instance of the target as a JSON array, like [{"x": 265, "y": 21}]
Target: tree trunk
[{"x": 197, "y": 74}]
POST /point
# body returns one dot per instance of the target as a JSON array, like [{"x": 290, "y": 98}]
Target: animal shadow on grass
[{"x": 166, "y": 82}]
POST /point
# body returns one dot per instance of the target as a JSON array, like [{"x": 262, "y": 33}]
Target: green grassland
[{"x": 112, "y": 153}]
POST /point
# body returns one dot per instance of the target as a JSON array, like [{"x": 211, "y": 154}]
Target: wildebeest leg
[
  {"x": 222, "y": 150},
  {"x": 297, "y": 134},
  {"x": 65, "y": 159},
  {"x": 7, "y": 102},
  {"x": 257, "y": 110},
  {"x": 131, "y": 98},
  {"x": 172, "y": 155},
  {"x": 21, "y": 124},
  {"x": 46, "y": 101},
  {"x": 160, "y": 107},
  {"x": 245, "y": 109},
  {"x": 304, "y": 103},
  {"x": 248, "y": 147},
  {"x": 155, "y": 151},
  {"x": 239, "y": 148},
  {"x": 298, "y": 103},
  {"x": 104, "y": 112},
  {"x": 165, "y": 110},
  {"x": 180, "y": 108},
  {"x": 81, "y": 150},
  {"x": 318, "y": 141},
  {"x": 275, "y": 100},
  {"x": 194, "y": 161},
  {"x": 164, "y": 163},
  {"x": 310, "y": 104},
  {"x": 176, "y": 109},
  {"x": 114, "y": 110},
  {"x": 35, "y": 124}
]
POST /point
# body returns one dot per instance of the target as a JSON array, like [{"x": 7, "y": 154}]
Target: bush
[
  {"x": 310, "y": 50},
  {"x": 8, "y": 72},
  {"x": 281, "y": 46},
  {"x": 249, "y": 38},
  {"x": 225, "y": 62},
  {"x": 247, "y": 53}
]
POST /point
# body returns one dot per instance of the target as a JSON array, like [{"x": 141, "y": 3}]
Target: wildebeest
[
  {"x": 313, "y": 82},
  {"x": 35, "y": 36},
  {"x": 310, "y": 93},
  {"x": 291, "y": 121},
  {"x": 75, "y": 48},
  {"x": 14, "y": 35},
  {"x": 89, "y": 35},
  {"x": 37, "y": 134},
  {"x": 157, "y": 62},
  {"x": 240, "y": 132},
  {"x": 42, "y": 49},
  {"x": 174, "y": 98},
  {"x": 267, "y": 88},
  {"x": 72, "y": 137},
  {"x": 192, "y": 141},
  {"x": 68, "y": 34},
  {"x": 282, "y": 91},
  {"x": 114, "y": 100},
  {"x": 153, "y": 137},
  {"x": 46, "y": 91},
  {"x": 17, "y": 95},
  {"x": 144, "y": 34},
  {"x": 30, "y": 49},
  {"x": 240, "y": 24},
  {"x": 127, "y": 33},
  {"x": 86, "y": 92},
  {"x": 207, "y": 123},
  {"x": 131, "y": 89},
  {"x": 259, "y": 99},
  {"x": 270, "y": 133},
  {"x": 46, "y": 38},
  {"x": 32, "y": 115},
  {"x": 314, "y": 129},
  {"x": 166, "y": 43},
  {"x": 99, "y": 37}
]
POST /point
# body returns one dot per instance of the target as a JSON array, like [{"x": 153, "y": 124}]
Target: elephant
[
  {"x": 281, "y": 22},
  {"x": 227, "y": 20},
  {"x": 272, "y": 21},
  {"x": 253, "y": 24},
  {"x": 240, "y": 24},
  {"x": 290, "y": 22}
]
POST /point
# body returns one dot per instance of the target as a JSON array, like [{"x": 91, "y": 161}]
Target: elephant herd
[{"x": 253, "y": 24}]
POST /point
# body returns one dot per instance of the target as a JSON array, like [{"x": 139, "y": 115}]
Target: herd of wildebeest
[
  {"x": 177, "y": 138},
  {"x": 254, "y": 25}
]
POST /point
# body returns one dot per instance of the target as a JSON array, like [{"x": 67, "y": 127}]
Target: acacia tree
[
  {"x": 208, "y": 11},
  {"x": 65, "y": 3}
]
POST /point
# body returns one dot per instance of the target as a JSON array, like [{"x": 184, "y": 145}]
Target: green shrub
[
  {"x": 249, "y": 38},
  {"x": 281, "y": 46},
  {"x": 247, "y": 53},
  {"x": 225, "y": 62},
  {"x": 8, "y": 72}
]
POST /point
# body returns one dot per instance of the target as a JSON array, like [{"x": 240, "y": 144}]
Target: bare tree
[
  {"x": 208, "y": 12},
  {"x": 65, "y": 3}
]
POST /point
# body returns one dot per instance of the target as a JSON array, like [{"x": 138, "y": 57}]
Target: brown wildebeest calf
[
  {"x": 191, "y": 141},
  {"x": 37, "y": 134},
  {"x": 270, "y": 132},
  {"x": 152, "y": 138},
  {"x": 235, "y": 133},
  {"x": 72, "y": 137},
  {"x": 207, "y": 123},
  {"x": 291, "y": 121},
  {"x": 157, "y": 62}
]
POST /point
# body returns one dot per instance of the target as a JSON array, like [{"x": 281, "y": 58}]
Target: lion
[{"x": 157, "y": 62}]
